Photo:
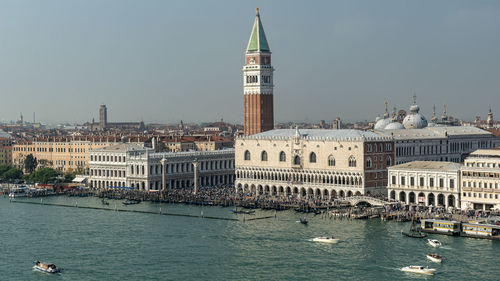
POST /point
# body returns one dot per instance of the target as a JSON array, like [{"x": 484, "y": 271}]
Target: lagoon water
[{"x": 91, "y": 244}]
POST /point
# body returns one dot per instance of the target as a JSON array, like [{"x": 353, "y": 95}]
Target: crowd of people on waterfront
[{"x": 226, "y": 195}]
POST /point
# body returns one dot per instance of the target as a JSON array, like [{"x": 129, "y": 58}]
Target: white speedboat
[
  {"x": 434, "y": 243},
  {"x": 45, "y": 267},
  {"x": 434, "y": 257},
  {"x": 326, "y": 240},
  {"x": 21, "y": 191},
  {"x": 419, "y": 269}
]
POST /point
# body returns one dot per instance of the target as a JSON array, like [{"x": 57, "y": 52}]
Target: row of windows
[
  {"x": 479, "y": 184},
  {"x": 377, "y": 148},
  {"x": 107, "y": 158},
  {"x": 388, "y": 162},
  {"x": 479, "y": 195},
  {"x": 296, "y": 159},
  {"x": 483, "y": 165},
  {"x": 107, "y": 173},
  {"x": 422, "y": 181},
  {"x": 50, "y": 149},
  {"x": 480, "y": 174}
]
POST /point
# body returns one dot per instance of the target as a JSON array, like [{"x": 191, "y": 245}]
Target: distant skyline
[{"x": 165, "y": 61}]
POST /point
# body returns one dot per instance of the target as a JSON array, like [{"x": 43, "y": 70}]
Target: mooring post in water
[
  {"x": 275, "y": 212},
  {"x": 160, "y": 210},
  {"x": 41, "y": 201},
  {"x": 202, "y": 213},
  {"x": 76, "y": 204}
]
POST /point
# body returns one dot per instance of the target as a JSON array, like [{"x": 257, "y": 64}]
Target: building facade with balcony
[{"x": 480, "y": 180}]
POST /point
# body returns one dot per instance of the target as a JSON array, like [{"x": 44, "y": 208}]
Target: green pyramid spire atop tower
[{"x": 258, "y": 41}]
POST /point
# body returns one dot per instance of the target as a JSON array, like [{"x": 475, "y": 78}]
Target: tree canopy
[
  {"x": 12, "y": 174},
  {"x": 30, "y": 163},
  {"x": 44, "y": 175}
]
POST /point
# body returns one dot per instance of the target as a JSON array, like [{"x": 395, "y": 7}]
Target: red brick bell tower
[{"x": 258, "y": 82}]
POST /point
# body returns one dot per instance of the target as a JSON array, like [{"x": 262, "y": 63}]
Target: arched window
[
  {"x": 331, "y": 161},
  {"x": 368, "y": 162},
  {"x": 247, "y": 155},
  {"x": 296, "y": 160},
  {"x": 263, "y": 156},
  {"x": 352, "y": 161},
  {"x": 312, "y": 157},
  {"x": 282, "y": 156},
  {"x": 388, "y": 161}
]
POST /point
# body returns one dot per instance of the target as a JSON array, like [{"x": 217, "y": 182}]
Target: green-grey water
[{"x": 93, "y": 244}]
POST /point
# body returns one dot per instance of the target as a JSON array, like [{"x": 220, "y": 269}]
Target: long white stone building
[
  {"x": 129, "y": 165},
  {"x": 313, "y": 162},
  {"x": 429, "y": 183}
]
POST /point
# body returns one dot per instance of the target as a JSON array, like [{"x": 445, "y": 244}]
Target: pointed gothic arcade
[{"x": 258, "y": 82}]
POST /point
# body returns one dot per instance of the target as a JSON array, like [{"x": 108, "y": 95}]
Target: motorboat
[
  {"x": 246, "y": 212},
  {"x": 131, "y": 202},
  {"x": 419, "y": 269},
  {"x": 45, "y": 267},
  {"x": 434, "y": 257},
  {"x": 21, "y": 191},
  {"x": 104, "y": 202},
  {"x": 303, "y": 221},
  {"x": 434, "y": 242},
  {"x": 326, "y": 239}
]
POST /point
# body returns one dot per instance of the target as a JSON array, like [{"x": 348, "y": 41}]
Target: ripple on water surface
[{"x": 91, "y": 244}]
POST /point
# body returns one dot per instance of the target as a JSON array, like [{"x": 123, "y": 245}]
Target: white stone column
[{"x": 195, "y": 166}]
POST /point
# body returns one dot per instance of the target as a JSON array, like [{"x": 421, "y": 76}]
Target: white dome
[
  {"x": 394, "y": 126},
  {"x": 380, "y": 125},
  {"x": 414, "y": 121}
]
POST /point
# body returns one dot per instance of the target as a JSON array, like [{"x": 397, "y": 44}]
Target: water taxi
[
  {"x": 21, "y": 191},
  {"x": 45, "y": 267},
  {"x": 434, "y": 242},
  {"x": 326, "y": 239},
  {"x": 434, "y": 257},
  {"x": 419, "y": 269}
]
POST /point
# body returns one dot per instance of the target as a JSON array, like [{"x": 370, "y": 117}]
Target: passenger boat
[
  {"x": 434, "y": 257},
  {"x": 326, "y": 239},
  {"x": 303, "y": 221},
  {"x": 440, "y": 226},
  {"x": 45, "y": 267},
  {"x": 419, "y": 269},
  {"x": 434, "y": 242}
]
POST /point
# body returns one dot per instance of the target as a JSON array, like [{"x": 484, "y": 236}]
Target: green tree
[
  {"x": 12, "y": 174},
  {"x": 69, "y": 177},
  {"x": 44, "y": 175},
  {"x": 30, "y": 163},
  {"x": 3, "y": 169}
]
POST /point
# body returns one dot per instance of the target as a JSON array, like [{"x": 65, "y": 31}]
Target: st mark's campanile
[{"x": 258, "y": 82}]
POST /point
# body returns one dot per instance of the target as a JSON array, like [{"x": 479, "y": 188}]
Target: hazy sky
[{"x": 162, "y": 61}]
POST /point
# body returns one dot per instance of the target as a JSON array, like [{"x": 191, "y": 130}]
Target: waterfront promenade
[{"x": 338, "y": 208}]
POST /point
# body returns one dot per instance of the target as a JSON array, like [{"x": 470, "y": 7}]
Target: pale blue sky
[{"x": 162, "y": 61}]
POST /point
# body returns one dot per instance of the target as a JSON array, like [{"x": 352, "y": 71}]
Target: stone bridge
[{"x": 355, "y": 200}]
